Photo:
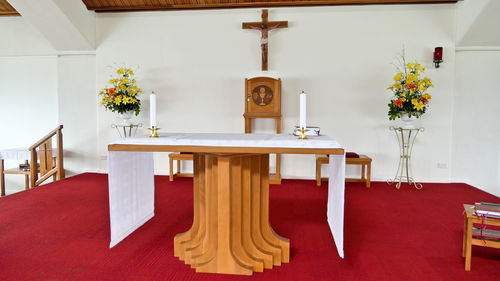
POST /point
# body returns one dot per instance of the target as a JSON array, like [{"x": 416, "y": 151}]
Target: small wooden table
[
  {"x": 178, "y": 157},
  {"x": 469, "y": 219},
  {"x": 362, "y": 160}
]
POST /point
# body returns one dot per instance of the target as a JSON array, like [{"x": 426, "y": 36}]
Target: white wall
[
  {"x": 78, "y": 112},
  {"x": 468, "y": 12},
  {"x": 476, "y": 134},
  {"x": 82, "y": 19},
  {"x": 197, "y": 62},
  {"x": 20, "y": 38},
  {"x": 477, "y": 22},
  {"x": 28, "y": 104}
]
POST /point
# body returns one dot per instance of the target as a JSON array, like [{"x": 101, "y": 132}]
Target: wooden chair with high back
[{"x": 41, "y": 161}]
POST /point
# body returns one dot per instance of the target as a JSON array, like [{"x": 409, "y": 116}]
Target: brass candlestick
[
  {"x": 154, "y": 132},
  {"x": 302, "y": 135}
]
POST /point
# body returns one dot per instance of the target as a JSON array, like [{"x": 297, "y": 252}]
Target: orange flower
[
  {"x": 410, "y": 85},
  {"x": 424, "y": 100},
  {"x": 111, "y": 92},
  {"x": 398, "y": 103}
]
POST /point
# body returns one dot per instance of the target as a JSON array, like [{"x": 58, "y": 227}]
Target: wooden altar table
[{"x": 230, "y": 232}]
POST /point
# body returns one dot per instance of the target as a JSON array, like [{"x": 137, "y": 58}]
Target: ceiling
[
  {"x": 6, "y": 9},
  {"x": 148, "y": 5}
]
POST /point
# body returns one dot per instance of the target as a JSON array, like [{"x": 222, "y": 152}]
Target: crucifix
[{"x": 264, "y": 28}]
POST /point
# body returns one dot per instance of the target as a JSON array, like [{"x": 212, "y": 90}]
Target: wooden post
[
  {"x": 2, "y": 179},
  {"x": 26, "y": 178},
  {"x": 33, "y": 167},
  {"x": 60, "y": 167}
]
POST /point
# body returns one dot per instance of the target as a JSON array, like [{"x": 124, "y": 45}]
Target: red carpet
[{"x": 60, "y": 231}]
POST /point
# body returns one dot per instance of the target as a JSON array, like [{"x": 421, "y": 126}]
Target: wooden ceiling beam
[
  {"x": 166, "y": 5},
  {"x": 7, "y": 10},
  {"x": 9, "y": 14},
  {"x": 135, "y": 5}
]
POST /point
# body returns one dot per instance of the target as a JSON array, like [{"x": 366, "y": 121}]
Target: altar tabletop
[
  {"x": 131, "y": 178},
  {"x": 236, "y": 143}
]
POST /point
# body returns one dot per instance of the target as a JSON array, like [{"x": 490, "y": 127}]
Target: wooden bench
[
  {"x": 472, "y": 236},
  {"x": 363, "y": 160},
  {"x": 179, "y": 157}
]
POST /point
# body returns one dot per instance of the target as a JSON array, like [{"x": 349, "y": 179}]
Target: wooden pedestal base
[{"x": 231, "y": 232}]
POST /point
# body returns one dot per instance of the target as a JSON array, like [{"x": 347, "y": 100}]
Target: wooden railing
[{"x": 46, "y": 165}]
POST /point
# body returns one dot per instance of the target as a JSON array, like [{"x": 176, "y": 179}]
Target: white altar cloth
[{"x": 131, "y": 174}]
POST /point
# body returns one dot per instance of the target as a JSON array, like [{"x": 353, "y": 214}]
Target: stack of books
[
  {"x": 486, "y": 210},
  {"x": 483, "y": 233},
  {"x": 491, "y": 210}
]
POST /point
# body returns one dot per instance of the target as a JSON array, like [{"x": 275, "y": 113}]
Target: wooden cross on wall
[{"x": 264, "y": 28}]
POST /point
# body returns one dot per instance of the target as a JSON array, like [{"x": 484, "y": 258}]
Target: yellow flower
[
  {"x": 410, "y": 78},
  {"x": 427, "y": 96},
  {"x": 418, "y": 106},
  {"x": 398, "y": 76},
  {"x": 130, "y": 72},
  {"x": 121, "y": 71},
  {"x": 427, "y": 82},
  {"x": 118, "y": 100},
  {"x": 419, "y": 68}
]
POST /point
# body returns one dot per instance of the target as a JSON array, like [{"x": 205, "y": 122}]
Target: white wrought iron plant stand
[
  {"x": 126, "y": 130},
  {"x": 406, "y": 138}
]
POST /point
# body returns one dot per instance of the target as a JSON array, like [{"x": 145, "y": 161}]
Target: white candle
[
  {"x": 152, "y": 109},
  {"x": 303, "y": 110}
]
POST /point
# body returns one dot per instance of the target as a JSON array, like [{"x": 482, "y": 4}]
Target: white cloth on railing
[
  {"x": 131, "y": 176},
  {"x": 15, "y": 154},
  {"x": 20, "y": 154}
]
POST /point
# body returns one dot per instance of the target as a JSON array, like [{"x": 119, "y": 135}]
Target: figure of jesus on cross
[{"x": 264, "y": 27}]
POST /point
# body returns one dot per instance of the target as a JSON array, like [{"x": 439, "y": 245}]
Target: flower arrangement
[
  {"x": 122, "y": 95},
  {"x": 410, "y": 91}
]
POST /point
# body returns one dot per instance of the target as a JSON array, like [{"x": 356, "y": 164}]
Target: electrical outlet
[{"x": 442, "y": 166}]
